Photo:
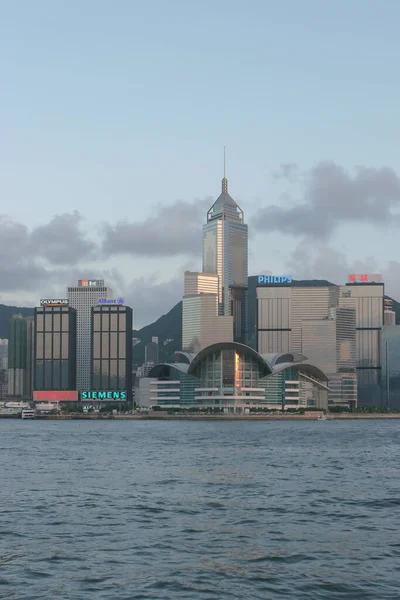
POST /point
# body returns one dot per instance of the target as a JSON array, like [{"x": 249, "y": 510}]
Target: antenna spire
[{"x": 224, "y": 181}]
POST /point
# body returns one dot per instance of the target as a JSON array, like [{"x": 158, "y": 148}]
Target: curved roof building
[{"x": 234, "y": 377}]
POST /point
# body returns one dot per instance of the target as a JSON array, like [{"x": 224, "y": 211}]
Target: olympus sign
[{"x": 54, "y": 302}]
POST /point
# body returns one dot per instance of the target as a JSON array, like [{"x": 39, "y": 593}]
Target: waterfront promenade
[{"x": 205, "y": 417}]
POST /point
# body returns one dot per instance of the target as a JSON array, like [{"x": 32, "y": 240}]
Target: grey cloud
[
  {"x": 151, "y": 299},
  {"x": 332, "y": 196},
  {"x": 61, "y": 241},
  {"x": 286, "y": 171},
  {"x": 41, "y": 258},
  {"x": 171, "y": 231}
]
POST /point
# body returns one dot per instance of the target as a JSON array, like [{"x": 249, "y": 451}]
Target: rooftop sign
[
  {"x": 56, "y": 396},
  {"x": 54, "y": 302},
  {"x": 91, "y": 283},
  {"x": 365, "y": 278},
  {"x": 274, "y": 279},
  {"x": 104, "y": 395},
  {"x": 111, "y": 301}
]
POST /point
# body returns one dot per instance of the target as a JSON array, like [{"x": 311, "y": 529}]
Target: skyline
[{"x": 114, "y": 123}]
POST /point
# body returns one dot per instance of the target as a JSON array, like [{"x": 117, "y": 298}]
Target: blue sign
[
  {"x": 111, "y": 301},
  {"x": 274, "y": 279},
  {"x": 103, "y": 395}
]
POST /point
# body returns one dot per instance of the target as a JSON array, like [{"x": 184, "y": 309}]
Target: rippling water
[{"x": 199, "y": 510}]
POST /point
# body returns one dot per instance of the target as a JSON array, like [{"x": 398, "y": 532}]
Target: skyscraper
[
  {"x": 83, "y": 298},
  {"x": 111, "y": 349},
  {"x": 225, "y": 253},
  {"x": 55, "y": 348},
  {"x": 368, "y": 301},
  {"x": 16, "y": 355}
]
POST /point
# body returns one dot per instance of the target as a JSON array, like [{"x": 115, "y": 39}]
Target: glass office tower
[
  {"x": 17, "y": 347},
  {"x": 225, "y": 252},
  {"x": 54, "y": 348},
  {"x": 368, "y": 301},
  {"x": 111, "y": 353}
]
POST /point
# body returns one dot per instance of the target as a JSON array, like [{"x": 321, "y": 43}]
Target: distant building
[
  {"x": 389, "y": 316},
  {"x": 17, "y": 350},
  {"x": 30, "y": 352},
  {"x": 391, "y": 366},
  {"x": 54, "y": 348},
  {"x": 144, "y": 369},
  {"x": 225, "y": 253},
  {"x": 82, "y": 298},
  {"x": 151, "y": 351},
  {"x": 111, "y": 349}
]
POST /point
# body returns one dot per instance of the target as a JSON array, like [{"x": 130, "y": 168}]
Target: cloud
[
  {"x": 43, "y": 257},
  {"x": 62, "y": 241},
  {"x": 171, "y": 231},
  {"x": 319, "y": 261},
  {"x": 286, "y": 171},
  {"x": 333, "y": 196}
]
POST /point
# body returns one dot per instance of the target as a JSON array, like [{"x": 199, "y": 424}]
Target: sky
[{"x": 113, "y": 120}]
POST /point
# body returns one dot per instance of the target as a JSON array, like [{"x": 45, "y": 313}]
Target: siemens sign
[
  {"x": 104, "y": 396},
  {"x": 274, "y": 279}
]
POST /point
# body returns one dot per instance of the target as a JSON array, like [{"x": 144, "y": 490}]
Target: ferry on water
[{"x": 29, "y": 413}]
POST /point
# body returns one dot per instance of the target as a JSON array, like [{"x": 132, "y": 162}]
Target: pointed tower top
[{"x": 224, "y": 181}]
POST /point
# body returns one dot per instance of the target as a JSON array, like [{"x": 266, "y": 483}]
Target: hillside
[
  {"x": 168, "y": 328},
  {"x": 6, "y": 312}
]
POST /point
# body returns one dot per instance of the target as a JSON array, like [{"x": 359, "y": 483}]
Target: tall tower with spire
[{"x": 225, "y": 253}]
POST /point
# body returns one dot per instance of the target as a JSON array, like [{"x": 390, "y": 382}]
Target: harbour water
[{"x": 199, "y": 510}]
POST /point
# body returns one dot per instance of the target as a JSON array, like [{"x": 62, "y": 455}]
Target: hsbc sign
[
  {"x": 91, "y": 283},
  {"x": 55, "y": 396}
]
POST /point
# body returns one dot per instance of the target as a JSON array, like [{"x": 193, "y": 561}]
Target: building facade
[
  {"x": 368, "y": 301},
  {"x": 201, "y": 323},
  {"x": 235, "y": 378},
  {"x": 30, "y": 354},
  {"x": 225, "y": 253},
  {"x": 82, "y": 298},
  {"x": 111, "y": 349},
  {"x": 151, "y": 351},
  {"x": 391, "y": 366},
  {"x": 54, "y": 361},
  {"x": 312, "y": 321},
  {"x": 17, "y": 351}
]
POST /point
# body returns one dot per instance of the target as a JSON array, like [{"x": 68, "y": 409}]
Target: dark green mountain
[{"x": 168, "y": 328}]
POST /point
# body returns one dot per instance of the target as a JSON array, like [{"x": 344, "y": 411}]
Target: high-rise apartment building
[
  {"x": 17, "y": 349},
  {"x": 151, "y": 351},
  {"x": 54, "y": 348},
  {"x": 83, "y": 298},
  {"x": 201, "y": 323},
  {"x": 225, "y": 253},
  {"x": 111, "y": 349}
]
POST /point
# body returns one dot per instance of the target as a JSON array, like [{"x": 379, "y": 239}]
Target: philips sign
[{"x": 274, "y": 279}]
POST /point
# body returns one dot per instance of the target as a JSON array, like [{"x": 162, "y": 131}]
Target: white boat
[
  {"x": 322, "y": 418},
  {"x": 29, "y": 413}
]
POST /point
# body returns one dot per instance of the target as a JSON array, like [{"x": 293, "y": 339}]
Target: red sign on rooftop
[
  {"x": 365, "y": 278},
  {"x": 55, "y": 396}
]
